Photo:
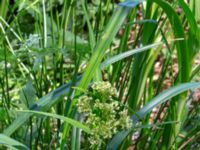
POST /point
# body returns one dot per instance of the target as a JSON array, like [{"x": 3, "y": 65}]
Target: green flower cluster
[{"x": 104, "y": 115}]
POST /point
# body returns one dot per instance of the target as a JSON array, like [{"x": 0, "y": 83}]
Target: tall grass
[{"x": 51, "y": 51}]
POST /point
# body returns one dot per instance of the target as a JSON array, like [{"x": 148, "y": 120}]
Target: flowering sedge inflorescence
[{"x": 104, "y": 115}]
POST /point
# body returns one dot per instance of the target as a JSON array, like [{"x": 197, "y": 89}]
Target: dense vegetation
[{"x": 99, "y": 74}]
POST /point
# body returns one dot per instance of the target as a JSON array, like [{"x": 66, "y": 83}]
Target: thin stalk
[{"x": 45, "y": 23}]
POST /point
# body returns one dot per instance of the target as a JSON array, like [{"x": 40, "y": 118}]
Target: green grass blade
[
  {"x": 194, "y": 32},
  {"x": 191, "y": 19},
  {"x": 45, "y": 23},
  {"x": 110, "y": 31},
  {"x": 182, "y": 51},
  {"x": 4, "y": 8},
  {"x": 194, "y": 5},
  {"x": 66, "y": 119},
  {"x": 18, "y": 122},
  {"x": 127, "y": 54},
  {"x": 156, "y": 101},
  {"x": 165, "y": 96},
  {"x": 11, "y": 143}
]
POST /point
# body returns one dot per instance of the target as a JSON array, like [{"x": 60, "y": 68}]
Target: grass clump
[{"x": 147, "y": 49}]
